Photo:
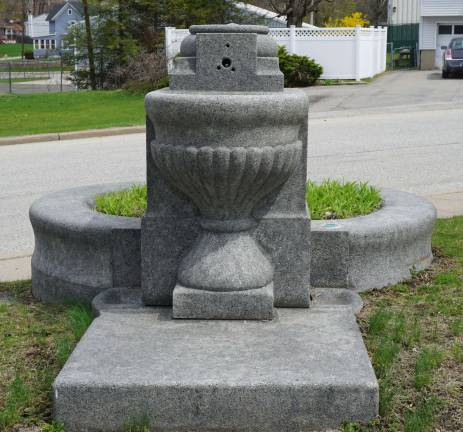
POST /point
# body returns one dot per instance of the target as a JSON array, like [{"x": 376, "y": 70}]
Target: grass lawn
[
  {"x": 13, "y": 50},
  {"x": 35, "y": 341},
  {"x": 413, "y": 332},
  {"x": 62, "y": 112}
]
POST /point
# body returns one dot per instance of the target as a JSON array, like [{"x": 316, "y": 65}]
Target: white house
[
  {"x": 438, "y": 21},
  {"x": 441, "y": 20},
  {"x": 48, "y": 30}
]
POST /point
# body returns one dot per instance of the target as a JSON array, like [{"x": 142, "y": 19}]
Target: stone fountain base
[{"x": 308, "y": 369}]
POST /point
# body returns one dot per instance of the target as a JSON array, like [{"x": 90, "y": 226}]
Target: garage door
[{"x": 445, "y": 32}]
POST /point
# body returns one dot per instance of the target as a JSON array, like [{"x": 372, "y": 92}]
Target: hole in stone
[
  {"x": 233, "y": 69},
  {"x": 226, "y": 62},
  {"x": 219, "y": 67},
  {"x": 227, "y": 45}
]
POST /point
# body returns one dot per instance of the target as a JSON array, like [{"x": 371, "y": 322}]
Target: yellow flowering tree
[{"x": 354, "y": 20}]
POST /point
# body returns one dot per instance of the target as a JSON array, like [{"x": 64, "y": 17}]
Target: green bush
[
  {"x": 299, "y": 71},
  {"x": 143, "y": 87}
]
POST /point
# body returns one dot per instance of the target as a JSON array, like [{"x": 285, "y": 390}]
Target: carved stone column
[{"x": 227, "y": 138}]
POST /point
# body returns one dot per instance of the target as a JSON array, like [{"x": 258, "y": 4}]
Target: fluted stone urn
[{"x": 227, "y": 136}]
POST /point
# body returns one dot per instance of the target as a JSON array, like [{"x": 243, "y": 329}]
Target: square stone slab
[{"x": 305, "y": 370}]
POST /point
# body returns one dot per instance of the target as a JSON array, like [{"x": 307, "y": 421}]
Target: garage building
[{"x": 438, "y": 22}]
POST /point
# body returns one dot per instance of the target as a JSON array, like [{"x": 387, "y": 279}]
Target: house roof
[
  {"x": 265, "y": 13},
  {"x": 55, "y": 10}
]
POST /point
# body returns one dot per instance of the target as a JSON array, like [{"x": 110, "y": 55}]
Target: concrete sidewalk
[
  {"x": 15, "y": 267},
  {"x": 62, "y": 136}
]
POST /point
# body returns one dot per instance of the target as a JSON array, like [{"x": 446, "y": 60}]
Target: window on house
[
  {"x": 69, "y": 11},
  {"x": 36, "y": 44},
  {"x": 445, "y": 29},
  {"x": 42, "y": 43},
  {"x": 458, "y": 29},
  {"x": 53, "y": 44},
  {"x": 47, "y": 43}
]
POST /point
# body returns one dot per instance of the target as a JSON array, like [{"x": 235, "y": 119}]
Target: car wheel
[{"x": 445, "y": 74}]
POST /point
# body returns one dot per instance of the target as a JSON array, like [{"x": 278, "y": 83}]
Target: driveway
[
  {"x": 400, "y": 90},
  {"x": 404, "y": 130}
]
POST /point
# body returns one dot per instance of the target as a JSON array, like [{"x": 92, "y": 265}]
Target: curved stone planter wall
[
  {"x": 376, "y": 250},
  {"x": 80, "y": 253}
]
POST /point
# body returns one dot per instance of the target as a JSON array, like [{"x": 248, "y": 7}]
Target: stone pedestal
[{"x": 226, "y": 154}]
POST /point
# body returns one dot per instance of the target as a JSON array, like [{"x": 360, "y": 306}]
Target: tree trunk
[
  {"x": 23, "y": 19},
  {"x": 91, "y": 57},
  {"x": 296, "y": 11}
]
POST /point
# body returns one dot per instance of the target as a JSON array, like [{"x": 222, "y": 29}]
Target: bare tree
[
  {"x": 375, "y": 10},
  {"x": 295, "y": 10}
]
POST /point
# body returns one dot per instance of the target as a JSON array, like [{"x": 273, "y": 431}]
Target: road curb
[{"x": 62, "y": 136}]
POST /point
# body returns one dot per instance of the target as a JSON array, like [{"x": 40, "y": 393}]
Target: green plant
[
  {"x": 428, "y": 360},
  {"x": 129, "y": 202},
  {"x": 137, "y": 424},
  {"x": 333, "y": 199},
  {"x": 328, "y": 200},
  {"x": 299, "y": 71},
  {"x": 53, "y": 427},
  {"x": 420, "y": 420},
  {"x": 16, "y": 399},
  {"x": 80, "y": 317}
]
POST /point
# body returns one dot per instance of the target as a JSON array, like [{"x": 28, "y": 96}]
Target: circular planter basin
[{"x": 80, "y": 252}]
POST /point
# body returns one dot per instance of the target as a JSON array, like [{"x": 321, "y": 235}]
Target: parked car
[{"x": 453, "y": 57}]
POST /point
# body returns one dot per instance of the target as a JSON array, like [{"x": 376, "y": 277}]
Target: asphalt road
[{"x": 399, "y": 131}]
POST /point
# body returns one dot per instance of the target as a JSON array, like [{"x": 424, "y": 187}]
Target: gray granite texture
[
  {"x": 263, "y": 133},
  {"x": 229, "y": 142},
  {"x": 306, "y": 370},
  {"x": 79, "y": 252},
  {"x": 227, "y": 57},
  {"x": 393, "y": 241},
  {"x": 250, "y": 304},
  {"x": 376, "y": 250}
]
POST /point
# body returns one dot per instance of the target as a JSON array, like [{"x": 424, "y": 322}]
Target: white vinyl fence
[{"x": 344, "y": 53}]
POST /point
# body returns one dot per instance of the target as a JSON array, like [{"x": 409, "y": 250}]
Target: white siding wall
[
  {"x": 407, "y": 12},
  {"x": 442, "y": 7},
  {"x": 428, "y": 29},
  {"x": 38, "y": 26}
]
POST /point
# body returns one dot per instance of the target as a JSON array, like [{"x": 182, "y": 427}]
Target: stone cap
[
  {"x": 229, "y": 57},
  {"x": 229, "y": 28}
]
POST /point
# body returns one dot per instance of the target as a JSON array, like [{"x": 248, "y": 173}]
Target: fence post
[
  {"x": 292, "y": 39},
  {"x": 357, "y": 53},
  {"x": 61, "y": 77},
  {"x": 168, "y": 41},
  {"x": 9, "y": 78},
  {"x": 374, "y": 50}
]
